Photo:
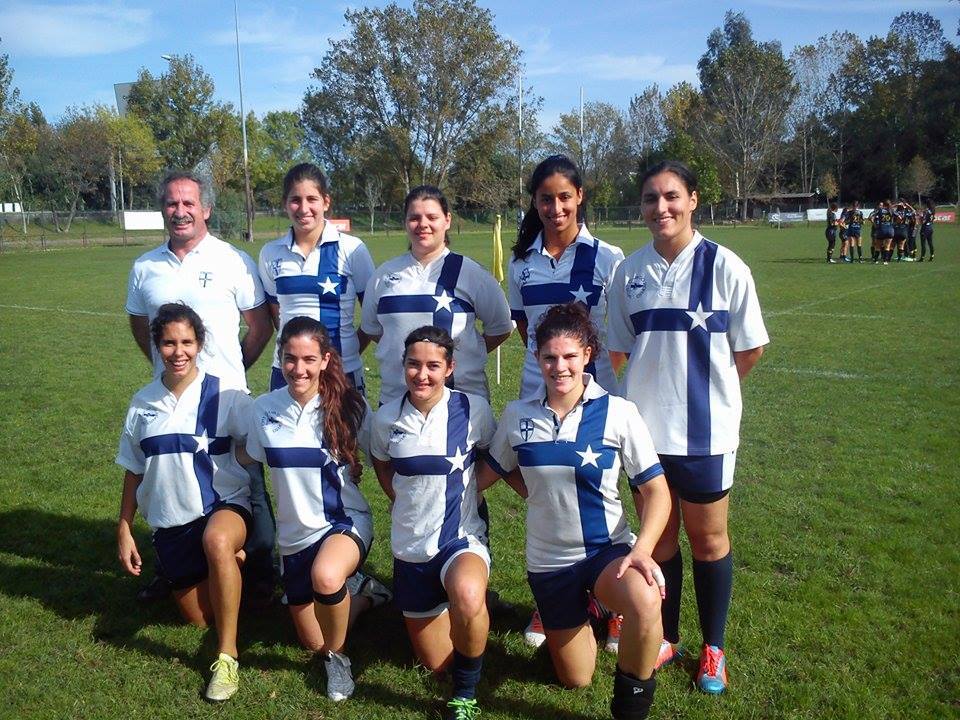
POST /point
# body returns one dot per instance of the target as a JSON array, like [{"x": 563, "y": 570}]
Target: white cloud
[
  {"x": 44, "y": 30},
  {"x": 633, "y": 68},
  {"x": 853, "y": 6},
  {"x": 283, "y": 33}
]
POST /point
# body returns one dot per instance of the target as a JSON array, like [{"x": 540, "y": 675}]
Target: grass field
[{"x": 844, "y": 515}]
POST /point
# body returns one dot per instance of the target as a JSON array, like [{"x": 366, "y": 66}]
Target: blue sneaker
[{"x": 712, "y": 676}]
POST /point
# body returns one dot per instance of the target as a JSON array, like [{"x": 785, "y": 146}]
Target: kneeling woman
[
  {"x": 424, "y": 447},
  {"x": 569, "y": 445},
  {"x": 178, "y": 448},
  {"x": 309, "y": 433}
]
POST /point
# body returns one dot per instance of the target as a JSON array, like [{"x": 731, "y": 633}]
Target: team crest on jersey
[
  {"x": 275, "y": 266},
  {"x": 526, "y": 428},
  {"x": 205, "y": 277},
  {"x": 270, "y": 421},
  {"x": 148, "y": 415},
  {"x": 391, "y": 279},
  {"x": 524, "y": 277},
  {"x": 397, "y": 435},
  {"x": 636, "y": 286}
]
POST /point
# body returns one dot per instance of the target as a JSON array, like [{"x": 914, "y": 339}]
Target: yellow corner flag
[{"x": 497, "y": 268}]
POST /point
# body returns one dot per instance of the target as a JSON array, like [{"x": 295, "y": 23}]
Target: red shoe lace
[{"x": 711, "y": 661}]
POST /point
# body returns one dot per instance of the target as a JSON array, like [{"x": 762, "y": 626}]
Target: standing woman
[
  {"x": 926, "y": 229},
  {"x": 178, "y": 448},
  {"x": 431, "y": 285},
  {"x": 424, "y": 446},
  {"x": 316, "y": 271},
  {"x": 310, "y": 433},
  {"x": 686, "y": 312},
  {"x": 556, "y": 260},
  {"x": 569, "y": 442},
  {"x": 833, "y": 220}
]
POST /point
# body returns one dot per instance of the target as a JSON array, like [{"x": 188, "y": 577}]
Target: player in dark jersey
[
  {"x": 911, "y": 218},
  {"x": 882, "y": 219},
  {"x": 853, "y": 223},
  {"x": 833, "y": 219},
  {"x": 926, "y": 229},
  {"x": 900, "y": 228}
]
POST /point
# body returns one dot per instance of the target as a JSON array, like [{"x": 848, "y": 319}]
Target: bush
[{"x": 228, "y": 220}]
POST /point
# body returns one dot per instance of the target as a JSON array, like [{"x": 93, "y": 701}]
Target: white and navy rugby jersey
[
  {"x": 314, "y": 493},
  {"x": 538, "y": 282},
  {"x": 452, "y": 292},
  {"x": 571, "y": 471},
  {"x": 681, "y": 324},
  {"x": 325, "y": 285},
  {"x": 218, "y": 282},
  {"x": 433, "y": 459},
  {"x": 183, "y": 448}
]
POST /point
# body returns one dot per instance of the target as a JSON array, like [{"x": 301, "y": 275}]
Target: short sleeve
[
  {"x": 486, "y": 424},
  {"x": 254, "y": 428},
  {"x": 248, "y": 290},
  {"x": 380, "y": 436},
  {"x": 514, "y": 298},
  {"x": 746, "y": 330},
  {"x": 130, "y": 455},
  {"x": 637, "y": 453},
  {"x": 369, "y": 322},
  {"x": 620, "y": 332},
  {"x": 238, "y": 405},
  {"x": 267, "y": 279},
  {"x": 502, "y": 456},
  {"x": 135, "y": 302},
  {"x": 361, "y": 266},
  {"x": 491, "y": 305}
]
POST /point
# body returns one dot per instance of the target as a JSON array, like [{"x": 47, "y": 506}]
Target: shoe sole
[{"x": 534, "y": 640}]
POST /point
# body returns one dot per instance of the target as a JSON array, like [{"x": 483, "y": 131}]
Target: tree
[
  {"x": 418, "y": 82},
  {"x": 645, "y": 124},
  {"x": 918, "y": 177},
  {"x": 601, "y": 153},
  {"x": 83, "y": 145},
  {"x": 132, "y": 146},
  {"x": 179, "y": 108},
  {"x": 829, "y": 186},
  {"x": 18, "y": 138},
  {"x": 747, "y": 87},
  {"x": 277, "y": 143},
  {"x": 681, "y": 146}
]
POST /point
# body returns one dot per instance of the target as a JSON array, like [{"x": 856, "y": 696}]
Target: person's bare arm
[
  {"x": 140, "y": 329},
  {"x": 259, "y": 331},
  {"x": 746, "y": 359}
]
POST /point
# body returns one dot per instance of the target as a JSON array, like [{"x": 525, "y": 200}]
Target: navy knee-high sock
[
  {"x": 670, "y": 607},
  {"x": 465, "y": 673},
  {"x": 713, "y": 582}
]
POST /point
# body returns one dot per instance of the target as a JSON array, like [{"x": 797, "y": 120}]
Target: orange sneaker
[
  {"x": 669, "y": 653},
  {"x": 614, "y": 622},
  {"x": 533, "y": 635}
]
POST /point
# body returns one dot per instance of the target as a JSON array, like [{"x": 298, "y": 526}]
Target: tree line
[{"x": 429, "y": 94}]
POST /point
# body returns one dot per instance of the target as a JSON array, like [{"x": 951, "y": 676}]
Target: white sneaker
[
  {"x": 533, "y": 635},
  {"x": 225, "y": 680},
  {"x": 340, "y": 683}
]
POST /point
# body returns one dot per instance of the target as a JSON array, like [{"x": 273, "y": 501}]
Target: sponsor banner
[
  {"x": 791, "y": 217},
  {"x": 817, "y": 214},
  {"x": 945, "y": 216},
  {"x": 142, "y": 220},
  {"x": 341, "y": 224}
]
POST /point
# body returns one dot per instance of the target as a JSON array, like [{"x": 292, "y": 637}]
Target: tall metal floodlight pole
[
  {"x": 581, "y": 128},
  {"x": 248, "y": 196},
  {"x": 520, "y": 142}
]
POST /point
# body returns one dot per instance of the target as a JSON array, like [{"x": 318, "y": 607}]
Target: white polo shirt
[
  {"x": 571, "y": 470},
  {"x": 433, "y": 459},
  {"x": 325, "y": 285},
  {"x": 452, "y": 292},
  {"x": 217, "y": 281},
  {"x": 681, "y": 324},
  {"x": 183, "y": 448},
  {"x": 538, "y": 282},
  {"x": 314, "y": 494}
]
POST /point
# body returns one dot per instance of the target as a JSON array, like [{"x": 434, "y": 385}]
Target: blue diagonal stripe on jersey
[
  {"x": 698, "y": 352},
  {"x": 207, "y": 410},
  {"x": 328, "y": 270},
  {"x": 447, "y": 285},
  {"x": 295, "y": 457},
  {"x": 330, "y": 483},
  {"x": 389, "y": 304},
  {"x": 581, "y": 276},
  {"x": 427, "y": 464},
  {"x": 332, "y": 487},
  {"x": 676, "y": 319},
  {"x": 593, "y": 518},
  {"x": 458, "y": 425}
]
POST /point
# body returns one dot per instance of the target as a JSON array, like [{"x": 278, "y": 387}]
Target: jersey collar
[
  {"x": 591, "y": 391},
  {"x": 583, "y": 236}
]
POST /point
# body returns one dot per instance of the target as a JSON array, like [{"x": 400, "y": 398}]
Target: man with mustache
[{"x": 222, "y": 285}]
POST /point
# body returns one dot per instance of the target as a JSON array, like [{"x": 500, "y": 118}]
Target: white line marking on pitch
[
  {"x": 836, "y": 316},
  {"x": 836, "y": 374},
  {"x": 853, "y": 291},
  {"x": 65, "y": 311}
]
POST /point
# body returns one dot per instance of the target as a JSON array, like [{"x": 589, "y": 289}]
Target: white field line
[
  {"x": 854, "y": 291},
  {"x": 833, "y": 374},
  {"x": 62, "y": 311},
  {"x": 839, "y": 316}
]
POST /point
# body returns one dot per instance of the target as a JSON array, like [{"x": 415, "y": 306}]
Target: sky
[{"x": 71, "y": 53}]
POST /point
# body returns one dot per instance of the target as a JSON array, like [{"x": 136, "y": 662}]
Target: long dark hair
[
  {"x": 176, "y": 312},
  {"x": 343, "y": 407},
  {"x": 570, "y": 319},
  {"x": 532, "y": 225},
  {"x": 305, "y": 171}
]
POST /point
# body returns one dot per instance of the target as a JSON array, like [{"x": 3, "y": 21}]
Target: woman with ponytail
[
  {"x": 310, "y": 433},
  {"x": 556, "y": 260}
]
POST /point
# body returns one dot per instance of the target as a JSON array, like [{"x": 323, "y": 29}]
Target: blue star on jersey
[
  {"x": 580, "y": 286},
  {"x": 443, "y": 304}
]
